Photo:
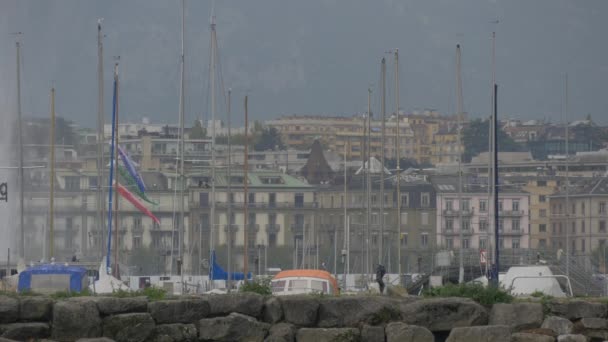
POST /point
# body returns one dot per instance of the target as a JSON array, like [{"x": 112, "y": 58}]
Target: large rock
[
  {"x": 487, "y": 333},
  {"x": 272, "y": 312},
  {"x": 596, "y": 328},
  {"x": 112, "y": 305},
  {"x": 560, "y": 326},
  {"x": 282, "y": 332},
  {"x": 401, "y": 332},
  {"x": 130, "y": 327},
  {"x": 26, "y": 331},
  {"x": 525, "y": 337},
  {"x": 249, "y": 304},
  {"x": 444, "y": 314},
  {"x": 176, "y": 332},
  {"x": 35, "y": 309},
  {"x": 372, "y": 333},
  {"x": 577, "y": 309},
  {"x": 572, "y": 338},
  {"x": 519, "y": 316},
  {"x": 96, "y": 339},
  {"x": 74, "y": 319},
  {"x": 179, "y": 310},
  {"x": 9, "y": 309},
  {"x": 328, "y": 335},
  {"x": 541, "y": 331},
  {"x": 351, "y": 311},
  {"x": 300, "y": 310},
  {"x": 234, "y": 327}
]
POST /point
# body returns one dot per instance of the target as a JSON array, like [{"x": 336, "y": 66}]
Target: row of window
[
  {"x": 465, "y": 205},
  {"x": 483, "y": 243},
  {"x": 483, "y": 224},
  {"x": 559, "y": 208},
  {"x": 559, "y": 226}
]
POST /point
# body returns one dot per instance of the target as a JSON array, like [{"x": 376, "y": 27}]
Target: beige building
[{"x": 540, "y": 189}]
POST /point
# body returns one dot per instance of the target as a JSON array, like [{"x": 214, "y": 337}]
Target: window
[
  {"x": 542, "y": 243},
  {"x": 542, "y": 198},
  {"x": 515, "y": 205},
  {"x": 583, "y": 247},
  {"x": 204, "y": 199},
  {"x": 573, "y": 208},
  {"x": 231, "y": 198},
  {"x": 232, "y": 218},
  {"x": 515, "y": 244},
  {"x": 501, "y": 224},
  {"x": 237, "y": 180},
  {"x": 582, "y": 226},
  {"x": 449, "y": 204},
  {"x": 375, "y": 218},
  {"x": 499, "y": 205},
  {"x": 374, "y": 239},
  {"x": 137, "y": 223},
  {"x": 542, "y": 228},
  {"x": 583, "y": 208},
  {"x": 449, "y": 224},
  {"x": 573, "y": 225},
  {"x": 251, "y": 219},
  {"x": 278, "y": 285},
  {"x": 272, "y": 200},
  {"x": 424, "y": 217},
  {"x": 374, "y": 199},
  {"x": 501, "y": 242},
  {"x": 272, "y": 240},
  {"x": 483, "y": 206},
  {"x": 405, "y": 200},
  {"x": 542, "y": 213},
  {"x": 602, "y": 227},
  {"x": 251, "y": 198},
  {"x": 425, "y": 199},
  {"x": 449, "y": 243},
  {"x": 554, "y": 228},
  {"x": 72, "y": 183},
  {"x": 271, "y": 180},
  {"x": 465, "y": 205},
  {"x": 602, "y": 207},
  {"x": 424, "y": 239},
  {"x": 299, "y": 200},
  {"x": 403, "y": 218},
  {"x": 465, "y": 243},
  {"x": 297, "y": 284},
  {"x": 483, "y": 243},
  {"x": 541, "y": 183},
  {"x": 404, "y": 240},
  {"x": 483, "y": 224},
  {"x": 515, "y": 225},
  {"x": 92, "y": 182},
  {"x": 136, "y": 242},
  {"x": 319, "y": 286},
  {"x": 466, "y": 224}
]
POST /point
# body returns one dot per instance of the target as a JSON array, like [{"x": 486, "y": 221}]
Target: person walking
[{"x": 380, "y": 272}]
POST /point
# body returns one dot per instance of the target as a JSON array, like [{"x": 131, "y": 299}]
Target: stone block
[
  {"x": 572, "y": 338},
  {"x": 178, "y": 310},
  {"x": 372, "y": 333},
  {"x": 74, "y": 319},
  {"x": 129, "y": 327},
  {"x": 282, "y": 332},
  {"x": 9, "y": 309},
  {"x": 444, "y": 314},
  {"x": 577, "y": 309},
  {"x": 487, "y": 333},
  {"x": 401, "y": 332},
  {"x": 26, "y": 331},
  {"x": 351, "y": 311},
  {"x": 113, "y": 306},
  {"x": 300, "y": 310},
  {"x": 35, "y": 309},
  {"x": 234, "y": 327},
  {"x": 272, "y": 312},
  {"x": 559, "y": 325},
  {"x": 176, "y": 332},
  {"x": 250, "y": 304},
  {"x": 328, "y": 335},
  {"x": 526, "y": 337},
  {"x": 519, "y": 316}
]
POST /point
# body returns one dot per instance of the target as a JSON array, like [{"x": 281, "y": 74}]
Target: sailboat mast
[
  {"x": 460, "y": 206},
  {"x": 229, "y": 283},
  {"x": 382, "y": 155},
  {"x": 20, "y": 142},
  {"x": 182, "y": 183},
  {"x": 117, "y": 199},
  {"x": 212, "y": 85},
  {"x": 111, "y": 178},
  {"x": 368, "y": 182},
  {"x": 100, "y": 138},
  {"x": 490, "y": 147},
  {"x": 52, "y": 179},
  {"x": 398, "y": 157},
  {"x": 245, "y": 195},
  {"x": 567, "y": 182}
]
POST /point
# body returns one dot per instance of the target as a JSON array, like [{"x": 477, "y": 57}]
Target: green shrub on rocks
[
  {"x": 477, "y": 292},
  {"x": 152, "y": 293},
  {"x": 258, "y": 285},
  {"x": 69, "y": 294}
]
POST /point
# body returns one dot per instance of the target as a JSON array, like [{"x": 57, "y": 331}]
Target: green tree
[
  {"x": 267, "y": 139},
  {"x": 475, "y": 140},
  {"x": 198, "y": 131}
]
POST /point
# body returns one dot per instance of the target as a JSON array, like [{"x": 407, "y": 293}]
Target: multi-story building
[
  {"x": 580, "y": 216},
  {"x": 467, "y": 212},
  {"x": 539, "y": 188}
]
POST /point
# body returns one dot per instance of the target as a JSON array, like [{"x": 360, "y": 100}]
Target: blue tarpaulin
[
  {"x": 77, "y": 275},
  {"x": 216, "y": 272}
]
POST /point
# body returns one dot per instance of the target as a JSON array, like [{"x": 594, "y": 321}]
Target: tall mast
[
  {"x": 182, "y": 183},
  {"x": 228, "y": 285},
  {"x": 212, "y": 85},
  {"x": 459, "y": 110},
  {"x": 100, "y": 138},
  {"x": 368, "y": 182},
  {"x": 117, "y": 199},
  {"x": 245, "y": 201},
  {"x": 20, "y": 142},
  {"x": 567, "y": 183},
  {"x": 111, "y": 178},
  {"x": 383, "y": 109},
  {"x": 495, "y": 280},
  {"x": 345, "y": 214},
  {"x": 490, "y": 145},
  {"x": 398, "y": 156},
  {"x": 52, "y": 179}
]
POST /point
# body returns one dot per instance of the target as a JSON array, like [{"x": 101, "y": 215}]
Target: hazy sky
[{"x": 309, "y": 57}]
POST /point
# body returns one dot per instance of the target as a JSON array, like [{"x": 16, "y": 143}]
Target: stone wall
[{"x": 251, "y": 317}]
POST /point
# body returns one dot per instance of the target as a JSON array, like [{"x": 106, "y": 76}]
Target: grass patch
[
  {"x": 477, "y": 292},
  {"x": 70, "y": 294},
  {"x": 257, "y": 285},
  {"x": 152, "y": 293},
  {"x": 385, "y": 315}
]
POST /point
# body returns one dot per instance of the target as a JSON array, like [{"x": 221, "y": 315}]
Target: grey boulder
[
  {"x": 328, "y": 335},
  {"x": 9, "y": 309},
  {"x": 234, "y": 327},
  {"x": 487, "y": 333},
  {"x": 521, "y": 316},
  {"x": 444, "y": 314},
  {"x": 74, "y": 319},
  {"x": 130, "y": 327},
  {"x": 35, "y": 308},
  {"x": 560, "y": 326},
  {"x": 401, "y": 332},
  {"x": 178, "y": 310}
]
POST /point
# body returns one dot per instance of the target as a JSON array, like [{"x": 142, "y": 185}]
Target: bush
[
  {"x": 259, "y": 286},
  {"x": 69, "y": 294},
  {"x": 477, "y": 292},
  {"x": 152, "y": 293}
]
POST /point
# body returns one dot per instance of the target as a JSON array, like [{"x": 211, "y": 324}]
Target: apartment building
[
  {"x": 580, "y": 216},
  {"x": 540, "y": 189},
  {"x": 467, "y": 212}
]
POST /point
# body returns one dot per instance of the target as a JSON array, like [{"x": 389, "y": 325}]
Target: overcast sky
[{"x": 309, "y": 57}]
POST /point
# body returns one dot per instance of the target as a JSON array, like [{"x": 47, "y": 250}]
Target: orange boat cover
[{"x": 311, "y": 274}]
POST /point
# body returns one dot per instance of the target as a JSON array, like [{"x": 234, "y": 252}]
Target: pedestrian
[{"x": 380, "y": 272}]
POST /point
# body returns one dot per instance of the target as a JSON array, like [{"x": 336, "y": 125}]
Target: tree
[
  {"x": 198, "y": 131},
  {"x": 475, "y": 140},
  {"x": 268, "y": 139}
]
